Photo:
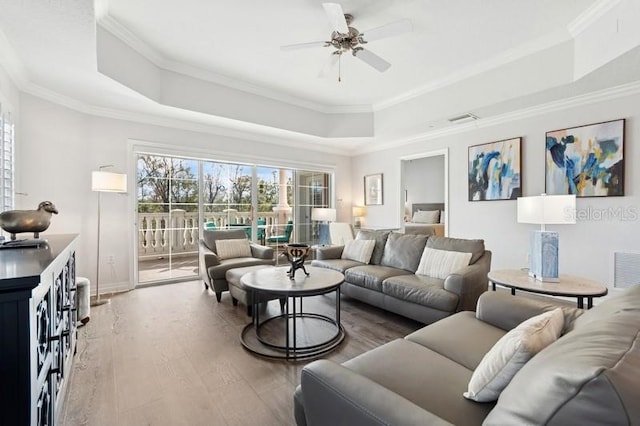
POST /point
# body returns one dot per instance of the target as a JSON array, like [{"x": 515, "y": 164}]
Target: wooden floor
[{"x": 171, "y": 355}]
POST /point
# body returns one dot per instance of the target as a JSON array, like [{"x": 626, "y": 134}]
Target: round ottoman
[
  {"x": 239, "y": 292},
  {"x": 83, "y": 293}
]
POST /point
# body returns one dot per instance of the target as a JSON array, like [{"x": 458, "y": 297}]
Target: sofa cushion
[
  {"x": 209, "y": 237},
  {"x": 340, "y": 265},
  {"x": 475, "y": 247},
  {"x": 461, "y": 337},
  {"x": 511, "y": 352},
  {"x": 422, "y": 290},
  {"x": 588, "y": 376},
  {"x": 424, "y": 377},
  {"x": 371, "y": 276},
  {"x": 441, "y": 263},
  {"x": 232, "y": 248},
  {"x": 380, "y": 238},
  {"x": 403, "y": 251},
  {"x": 219, "y": 272},
  {"x": 358, "y": 250}
]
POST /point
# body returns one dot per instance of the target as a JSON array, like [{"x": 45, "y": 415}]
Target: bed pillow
[
  {"x": 441, "y": 263},
  {"x": 511, "y": 352},
  {"x": 232, "y": 248},
  {"x": 358, "y": 250},
  {"x": 426, "y": 216}
]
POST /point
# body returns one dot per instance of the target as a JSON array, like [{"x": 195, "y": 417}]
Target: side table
[{"x": 568, "y": 286}]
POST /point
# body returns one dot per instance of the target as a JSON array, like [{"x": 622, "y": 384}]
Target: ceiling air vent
[{"x": 462, "y": 118}]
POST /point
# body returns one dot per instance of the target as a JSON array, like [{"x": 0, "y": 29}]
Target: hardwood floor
[{"x": 171, "y": 355}]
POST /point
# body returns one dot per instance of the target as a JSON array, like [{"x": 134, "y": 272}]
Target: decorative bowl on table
[{"x": 296, "y": 255}]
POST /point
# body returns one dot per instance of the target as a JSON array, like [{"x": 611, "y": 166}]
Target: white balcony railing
[{"x": 177, "y": 232}]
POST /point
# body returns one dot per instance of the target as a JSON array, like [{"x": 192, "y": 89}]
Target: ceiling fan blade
[
  {"x": 336, "y": 17},
  {"x": 388, "y": 30},
  {"x": 372, "y": 59},
  {"x": 303, "y": 45},
  {"x": 329, "y": 65}
]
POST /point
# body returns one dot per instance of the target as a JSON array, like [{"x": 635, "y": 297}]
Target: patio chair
[
  {"x": 213, "y": 269},
  {"x": 262, "y": 230},
  {"x": 284, "y": 238}
]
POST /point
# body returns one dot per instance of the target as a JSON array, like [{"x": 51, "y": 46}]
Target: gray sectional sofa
[
  {"x": 390, "y": 282},
  {"x": 589, "y": 376}
]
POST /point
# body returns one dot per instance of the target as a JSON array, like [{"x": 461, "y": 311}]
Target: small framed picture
[
  {"x": 373, "y": 190},
  {"x": 587, "y": 161}
]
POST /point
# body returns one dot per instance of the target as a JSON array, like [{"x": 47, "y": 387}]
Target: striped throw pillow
[
  {"x": 232, "y": 248},
  {"x": 441, "y": 263},
  {"x": 358, "y": 250}
]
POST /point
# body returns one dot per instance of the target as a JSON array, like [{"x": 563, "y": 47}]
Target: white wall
[
  {"x": 63, "y": 146},
  {"x": 585, "y": 248},
  {"x": 424, "y": 180}
]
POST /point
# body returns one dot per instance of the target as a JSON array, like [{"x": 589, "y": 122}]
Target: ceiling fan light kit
[{"x": 345, "y": 38}]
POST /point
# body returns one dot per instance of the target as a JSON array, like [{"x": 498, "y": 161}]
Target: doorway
[{"x": 424, "y": 185}]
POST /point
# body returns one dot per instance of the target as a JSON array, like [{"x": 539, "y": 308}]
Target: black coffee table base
[{"x": 294, "y": 335}]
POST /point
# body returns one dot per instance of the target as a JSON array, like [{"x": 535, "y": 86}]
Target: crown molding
[
  {"x": 222, "y": 127},
  {"x": 496, "y": 61},
  {"x": 118, "y": 30},
  {"x": 621, "y": 91},
  {"x": 590, "y": 16}
]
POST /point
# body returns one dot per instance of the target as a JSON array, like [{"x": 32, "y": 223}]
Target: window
[
  {"x": 6, "y": 160},
  {"x": 180, "y": 196}
]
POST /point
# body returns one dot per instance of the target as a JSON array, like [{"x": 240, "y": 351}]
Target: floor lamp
[{"x": 105, "y": 182}]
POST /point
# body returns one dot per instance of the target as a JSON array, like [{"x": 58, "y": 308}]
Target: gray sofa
[
  {"x": 390, "y": 282},
  {"x": 213, "y": 269},
  {"x": 589, "y": 376}
]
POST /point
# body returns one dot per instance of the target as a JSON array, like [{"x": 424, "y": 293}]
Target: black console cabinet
[{"x": 37, "y": 330}]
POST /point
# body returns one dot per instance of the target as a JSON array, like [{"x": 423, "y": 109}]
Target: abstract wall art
[
  {"x": 495, "y": 170},
  {"x": 587, "y": 161}
]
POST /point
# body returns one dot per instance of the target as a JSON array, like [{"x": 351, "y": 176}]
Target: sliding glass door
[{"x": 179, "y": 197}]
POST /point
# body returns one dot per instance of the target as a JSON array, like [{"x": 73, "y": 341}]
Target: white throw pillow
[
  {"x": 511, "y": 352},
  {"x": 229, "y": 249},
  {"x": 358, "y": 250},
  {"x": 426, "y": 216},
  {"x": 441, "y": 263},
  {"x": 442, "y": 216}
]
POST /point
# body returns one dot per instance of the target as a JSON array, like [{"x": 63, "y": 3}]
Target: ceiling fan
[{"x": 345, "y": 38}]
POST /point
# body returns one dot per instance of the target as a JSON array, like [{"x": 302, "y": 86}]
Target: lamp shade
[
  {"x": 108, "y": 182},
  {"x": 357, "y": 211},
  {"x": 323, "y": 214},
  {"x": 547, "y": 209}
]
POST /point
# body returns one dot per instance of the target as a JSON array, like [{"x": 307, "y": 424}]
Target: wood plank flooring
[{"x": 171, "y": 355}]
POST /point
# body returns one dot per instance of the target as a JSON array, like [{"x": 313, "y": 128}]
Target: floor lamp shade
[
  {"x": 108, "y": 182},
  {"x": 544, "y": 245}
]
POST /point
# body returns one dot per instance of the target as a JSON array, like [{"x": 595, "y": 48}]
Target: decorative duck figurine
[{"x": 36, "y": 221}]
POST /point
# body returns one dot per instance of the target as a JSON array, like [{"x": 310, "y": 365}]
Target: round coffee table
[
  {"x": 568, "y": 286},
  {"x": 295, "y": 334}
]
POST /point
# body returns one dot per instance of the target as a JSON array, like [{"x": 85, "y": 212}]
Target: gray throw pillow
[
  {"x": 380, "y": 238},
  {"x": 403, "y": 251}
]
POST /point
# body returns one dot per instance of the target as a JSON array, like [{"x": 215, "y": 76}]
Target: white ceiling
[
  {"x": 49, "y": 48},
  {"x": 242, "y": 38}
]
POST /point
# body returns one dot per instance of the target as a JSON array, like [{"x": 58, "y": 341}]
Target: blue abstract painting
[
  {"x": 587, "y": 161},
  {"x": 494, "y": 170}
]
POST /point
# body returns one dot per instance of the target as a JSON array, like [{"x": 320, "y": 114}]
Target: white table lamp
[
  {"x": 324, "y": 215},
  {"x": 105, "y": 182},
  {"x": 543, "y": 244}
]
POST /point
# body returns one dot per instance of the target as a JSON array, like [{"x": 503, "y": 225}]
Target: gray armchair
[{"x": 213, "y": 269}]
